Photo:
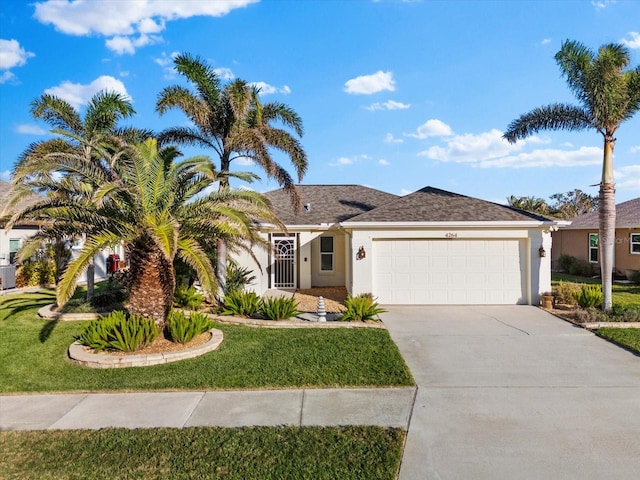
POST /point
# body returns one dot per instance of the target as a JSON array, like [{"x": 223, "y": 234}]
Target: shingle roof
[
  {"x": 329, "y": 203},
  {"x": 627, "y": 215},
  {"x": 434, "y": 205}
]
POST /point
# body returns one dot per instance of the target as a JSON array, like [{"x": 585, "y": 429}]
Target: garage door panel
[{"x": 449, "y": 271}]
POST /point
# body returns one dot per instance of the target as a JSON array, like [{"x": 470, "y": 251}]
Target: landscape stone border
[
  {"x": 87, "y": 358},
  {"x": 49, "y": 313}
]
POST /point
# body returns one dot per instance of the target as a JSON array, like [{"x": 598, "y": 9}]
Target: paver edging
[
  {"x": 87, "y": 358},
  {"x": 296, "y": 323},
  {"x": 49, "y": 313}
]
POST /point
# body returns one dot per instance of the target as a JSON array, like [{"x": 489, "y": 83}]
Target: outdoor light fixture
[
  {"x": 542, "y": 252},
  {"x": 361, "y": 253}
]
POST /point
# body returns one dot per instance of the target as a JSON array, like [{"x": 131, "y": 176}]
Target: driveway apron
[{"x": 513, "y": 392}]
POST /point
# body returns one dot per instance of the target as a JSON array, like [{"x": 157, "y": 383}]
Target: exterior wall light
[
  {"x": 542, "y": 252},
  {"x": 361, "y": 253}
]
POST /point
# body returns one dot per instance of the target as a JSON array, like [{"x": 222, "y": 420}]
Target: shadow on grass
[
  {"x": 47, "y": 329},
  {"x": 14, "y": 305}
]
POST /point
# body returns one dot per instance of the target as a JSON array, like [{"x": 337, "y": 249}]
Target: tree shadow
[
  {"x": 13, "y": 305},
  {"x": 47, "y": 330}
]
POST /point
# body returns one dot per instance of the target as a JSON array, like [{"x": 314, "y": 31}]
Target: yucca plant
[
  {"x": 119, "y": 331},
  {"x": 361, "y": 308},
  {"x": 278, "y": 308},
  {"x": 187, "y": 297},
  {"x": 182, "y": 329},
  {"x": 242, "y": 304},
  {"x": 589, "y": 296}
]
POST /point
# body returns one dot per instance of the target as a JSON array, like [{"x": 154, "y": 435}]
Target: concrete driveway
[{"x": 512, "y": 392}]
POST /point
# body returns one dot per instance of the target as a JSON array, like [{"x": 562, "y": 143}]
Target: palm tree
[
  {"x": 608, "y": 94},
  {"x": 77, "y": 135},
  {"x": 156, "y": 206},
  {"x": 530, "y": 204},
  {"x": 233, "y": 122}
]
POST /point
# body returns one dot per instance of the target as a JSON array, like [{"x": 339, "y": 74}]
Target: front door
[{"x": 283, "y": 274}]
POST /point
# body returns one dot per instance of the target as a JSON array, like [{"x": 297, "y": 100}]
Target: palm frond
[{"x": 551, "y": 117}]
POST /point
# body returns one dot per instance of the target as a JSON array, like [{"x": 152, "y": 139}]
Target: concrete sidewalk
[{"x": 386, "y": 407}]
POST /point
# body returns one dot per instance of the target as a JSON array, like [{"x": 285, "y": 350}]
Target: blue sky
[{"x": 395, "y": 95}]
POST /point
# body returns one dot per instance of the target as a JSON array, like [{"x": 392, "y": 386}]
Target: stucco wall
[{"x": 337, "y": 277}]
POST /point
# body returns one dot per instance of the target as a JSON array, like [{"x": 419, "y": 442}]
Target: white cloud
[
  {"x": 628, "y": 177},
  {"x": 477, "y": 148},
  {"x": 544, "y": 158},
  {"x": 11, "y": 55},
  {"x": 224, "y": 73},
  {"x": 432, "y": 128},
  {"x": 389, "y": 138},
  {"x": 601, "y": 4},
  {"x": 368, "y": 84},
  {"x": 128, "y": 25},
  {"x": 635, "y": 149},
  {"x": 266, "y": 89},
  {"x": 77, "y": 94},
  {"x": 383, "y": 162},
  {"x": 28, "y": 129},
  {"x": 166, "y": 62},
  {"x": 545, "y": 41},
  {"x": 6, "y": 175},
  {"x": 342, "y": 161},
  {"x": 404, "y": 191},
  {"x": 633, "y": 41},
  {"x": 388, "y": 105}
]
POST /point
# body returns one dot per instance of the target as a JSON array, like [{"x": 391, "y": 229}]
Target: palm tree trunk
[
  {"x": 91, "y": 279},
  {"x": 221, "y": 267},
  {"x": 607, "y": 223},
  {"x": 152, "y": 282}
]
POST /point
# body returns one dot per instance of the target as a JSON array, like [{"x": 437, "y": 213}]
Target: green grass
[
  {"x": 622, "y": 295},
  {"x": 625, "y": 337},
  {"x": 223, "y": 453},
  {"x": 33, "y": 358}
]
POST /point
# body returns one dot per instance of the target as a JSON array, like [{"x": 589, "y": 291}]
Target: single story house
[
  {"x": 579, "y": 238},
  {"x": 428, "y": 247}
]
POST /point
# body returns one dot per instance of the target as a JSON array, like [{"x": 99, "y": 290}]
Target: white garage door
[{"x": 449, "y": 272}]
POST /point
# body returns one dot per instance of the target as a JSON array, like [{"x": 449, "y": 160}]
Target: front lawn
[
  {"x": 626, "y": 337},
  {"x": 622, "y": 295},
  {"x": 33, "y": 358},
  {"x": 224, "y": 453}
]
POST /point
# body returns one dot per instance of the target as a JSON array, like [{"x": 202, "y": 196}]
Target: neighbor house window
[
  {"x": 593, "y": 247},
  {"x": 635, "y": 243},
  {"x": 326, "y": 254},
  {"x": 14, "y": 246}
]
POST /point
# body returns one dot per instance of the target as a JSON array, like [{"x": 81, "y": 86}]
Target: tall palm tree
[
  {"x": 608, "y": 94},
  {"x": 156, "y": 206},
  {"x": 232, "y": 121},
  {"x": 77, "y": 135}
]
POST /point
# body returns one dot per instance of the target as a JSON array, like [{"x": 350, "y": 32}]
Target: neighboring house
[
  {"x": 579, "y": 238},
  {"x": 11, "y": 240},
  {"x": 428, "y": 247}
]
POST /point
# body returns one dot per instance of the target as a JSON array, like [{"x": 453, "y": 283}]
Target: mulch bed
[{"x": 333, "y": 299}]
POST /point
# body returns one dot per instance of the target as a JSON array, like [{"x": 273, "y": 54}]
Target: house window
[
  {"x": 14, "y": 246},
  {"x": 326, "y": 254},
  {"x": 593, "y": 248},
  {"x": 635, "y": 243}
]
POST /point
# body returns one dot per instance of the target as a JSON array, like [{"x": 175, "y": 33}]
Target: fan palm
[
  {"x": 158, "y": 207},
  {"x": 608, "y": 94},
  {"x": 76, "y": 135},
  {"x": 232, "y": 121}
]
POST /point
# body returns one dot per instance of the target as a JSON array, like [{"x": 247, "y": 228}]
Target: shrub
[
  {"x": 113, "y": 294},
  {"x": 238, "y": 278},
  {"x": 119, "y": 331},
  {"x": 635, "y": 277},
  {"x": 565, "y": 262},
  {"x": 564, "y": 292},
  {"x": 581, "y": 268},
  {"x": 33, "y": 274},
  {"x": 589, "y": 296},
  {"x": 77, "y": 305},
  {"x": 279, "y": 308},
  {"x": 361, "y": 308},
  {"x": 243, "y": 304},
  {"x": 182, "y": 329},
  {"x": 591, "y": 315},
  {"x": 187, "y": 297}
]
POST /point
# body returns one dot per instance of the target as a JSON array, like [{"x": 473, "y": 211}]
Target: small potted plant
[{"x": 547, "y": 300}]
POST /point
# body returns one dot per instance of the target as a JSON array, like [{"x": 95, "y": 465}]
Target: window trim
[
  {"x": 632, "y": 243},
  {"x": 596, "y": 248},
  {"x": 332, "y": 253},
  {"x": 12, "y": 253}
]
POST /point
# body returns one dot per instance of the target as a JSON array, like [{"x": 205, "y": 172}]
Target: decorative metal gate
[{"x": 284, "y": 263}]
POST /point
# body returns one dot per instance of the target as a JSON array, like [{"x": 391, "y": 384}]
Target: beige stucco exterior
[{"x": 575, "y": 242}]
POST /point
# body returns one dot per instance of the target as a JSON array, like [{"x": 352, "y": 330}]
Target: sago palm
[
  {"x": 156, "y": 206},
  {"x": 608, "y": 94},
  {"x": 232, "y": 121}
]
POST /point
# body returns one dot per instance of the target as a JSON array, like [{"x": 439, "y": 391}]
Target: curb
[{"x": 87, "y": 358}]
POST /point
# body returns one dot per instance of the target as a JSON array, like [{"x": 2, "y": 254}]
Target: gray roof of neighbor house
[
  {"x": 627, "y": 215},
  {"x": 434, "y": 205},
  {"x": 328, "y": 203},
  {"x": 5, "y": 192}
]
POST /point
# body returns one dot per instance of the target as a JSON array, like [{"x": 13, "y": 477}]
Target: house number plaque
[{"x": 451, "y": 235}]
